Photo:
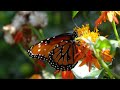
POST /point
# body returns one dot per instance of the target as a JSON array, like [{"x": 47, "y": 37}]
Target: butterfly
[{"x": 58, "y": 51}]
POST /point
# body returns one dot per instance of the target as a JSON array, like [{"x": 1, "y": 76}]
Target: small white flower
[
  {"x": 18, "y": 21},
  {"x": 38, "y": 18},
  {"x": 24, "y": 12},
  {"x": 47, "y": 75},
  {"x": 8, "y": 38},
  {"x": 9, "y": 28}
]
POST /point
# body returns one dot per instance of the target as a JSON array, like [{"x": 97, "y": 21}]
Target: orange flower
[
  {"x": 35, "y": 76},
  {"x": 106, "y": 56},
  {"x": 103, "y": 17},
  {"x": 65, "y": 74},
  {"x": 87, "y": 57},
  {"x": 110, "y": 15},
  {"x": 80, "y": 52},
  {"x": 89, "y": 60}
]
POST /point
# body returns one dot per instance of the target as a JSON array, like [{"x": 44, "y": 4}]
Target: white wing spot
[
  {"x": 61, "y": 40},
  {"x": 66, "y": 41},
  {"x": 57, "y": 45},
  {"x": 39, "y": 44},
  {"x": 54, "y": 37},
  {"x": 39, "y": 50},
  {"x": 44, "y": 49},
  {"x": 48, "y": 39},
  {"x": 46, "y": 42}
]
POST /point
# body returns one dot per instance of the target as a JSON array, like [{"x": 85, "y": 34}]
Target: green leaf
[
  {"x": 103, "y": 43},
  {"x": 103, "y": 75},
  {"x": 74, "y": 13},
  {"x": 26, "y": 69}
]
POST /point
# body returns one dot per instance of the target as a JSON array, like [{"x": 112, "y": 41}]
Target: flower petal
[
  {"x": 118, "y": 12},
  {"x": 106, "y": 56},
  {"x": 83, "y": 62},
  {"x": 90, "y": 66},
  {"x": 115, "y": 19},
  {"x": 41, "y": 63},
  {"x": 67, "y": 75},
  {"x": 35, "y": 76},
  {"x": 18, "y": 37},
  {"x": 102, "y": 17},
  {"x": 71, "y": 75},
  {"x": 96, "y": 63}
]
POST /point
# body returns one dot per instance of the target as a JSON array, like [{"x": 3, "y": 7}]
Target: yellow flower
[{"x": 85, "y": 32}]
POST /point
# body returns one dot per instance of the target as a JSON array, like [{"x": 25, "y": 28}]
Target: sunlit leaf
[
  {"x": 103, "y": 43},
  {"x": 74, "y": 13}
]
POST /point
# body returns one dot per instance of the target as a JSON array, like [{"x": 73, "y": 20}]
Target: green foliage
[{"x": 26, "y": 69}]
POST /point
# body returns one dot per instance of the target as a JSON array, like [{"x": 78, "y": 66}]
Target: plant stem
[
  {"x": 105, "y": 66},
  {"x": 115, "y": 30},
  {"x": 41, "y": 34},
  {"x": 36, "y": 32},
  {"x": 25, "y": 52}
]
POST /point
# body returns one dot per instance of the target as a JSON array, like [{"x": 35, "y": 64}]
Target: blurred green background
[{"x": 15, "y": 65}]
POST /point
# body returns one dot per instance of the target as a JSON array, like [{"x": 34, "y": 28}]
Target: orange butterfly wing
[{"x": 59, "y": 51}]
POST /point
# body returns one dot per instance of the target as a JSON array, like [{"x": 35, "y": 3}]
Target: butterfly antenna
[{"x": 74, "y": 23}]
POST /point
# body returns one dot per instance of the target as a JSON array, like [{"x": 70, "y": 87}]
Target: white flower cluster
[{"x": 35, "y": 18}]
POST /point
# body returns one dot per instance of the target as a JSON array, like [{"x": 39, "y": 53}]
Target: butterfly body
[{"x": 58, "y": 51}]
